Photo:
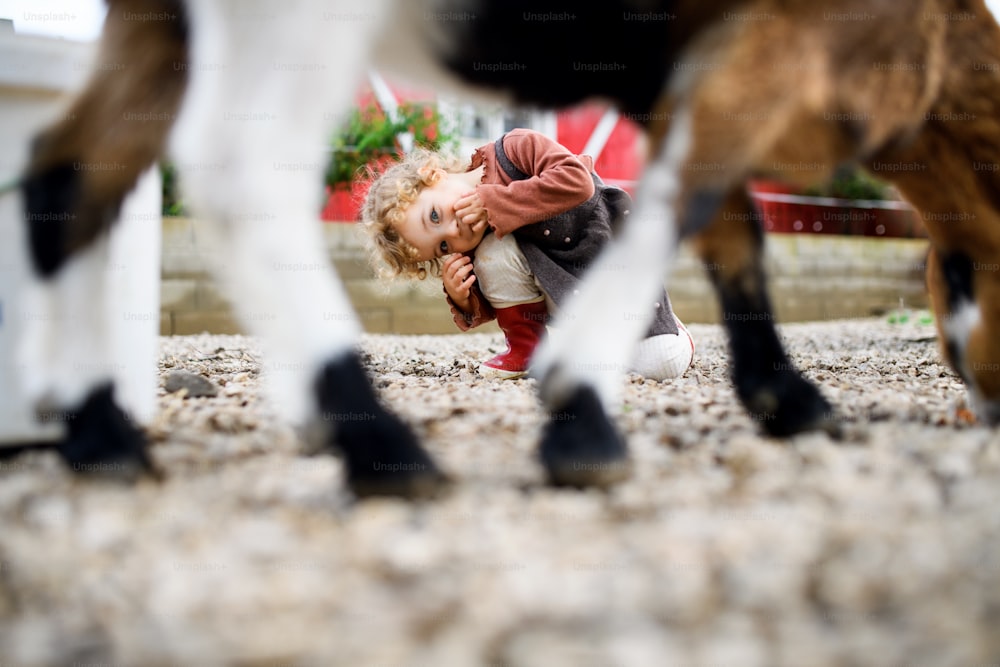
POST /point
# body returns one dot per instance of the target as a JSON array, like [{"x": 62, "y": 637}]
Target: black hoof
[
  {"x": 791, "y": 405},
  {"x": 581, "y": 447},
  {"x": 383, "y": 458},
  {"x": 405, "y": 476},
  {"x": 101, "y": 441},
  {"x": 381, "y": 455}
]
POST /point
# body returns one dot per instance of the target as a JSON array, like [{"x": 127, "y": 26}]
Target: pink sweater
[{"x": 559, "y": 181}]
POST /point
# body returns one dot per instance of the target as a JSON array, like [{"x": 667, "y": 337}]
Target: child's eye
[
  {"x": 443, "y": 247},
  {"x": 434, "y": 216}
]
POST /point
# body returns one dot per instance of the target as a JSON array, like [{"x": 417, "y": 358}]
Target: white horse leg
[
  {"x": 80, "y": 170},
  {"x": 261, "y": 103},
  {"x": 68, "y": 345},
  {"x": 582, "y": 364}
]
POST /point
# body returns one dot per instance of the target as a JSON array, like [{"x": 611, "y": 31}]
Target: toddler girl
[{"x": 510, "y": 233}]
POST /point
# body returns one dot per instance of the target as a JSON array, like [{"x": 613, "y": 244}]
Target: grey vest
[{"x": 560, "y": 249}]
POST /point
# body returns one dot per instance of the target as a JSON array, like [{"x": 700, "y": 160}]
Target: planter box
[
  {"x": 784, "y": 211},
  {"x": 343, "y": 204}
]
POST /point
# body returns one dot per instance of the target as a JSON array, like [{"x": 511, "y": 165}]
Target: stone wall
[{"x": 813, "y": 277}]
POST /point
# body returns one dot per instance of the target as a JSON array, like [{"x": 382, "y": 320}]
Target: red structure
[{"x": 621, "y": 158}]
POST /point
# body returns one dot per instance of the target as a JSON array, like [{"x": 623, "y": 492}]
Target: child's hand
[
  {"x": 457, "y": 275},
  {"x": 469, "y": 210}
]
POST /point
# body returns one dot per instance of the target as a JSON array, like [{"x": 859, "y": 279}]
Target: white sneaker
[{"x": 666, "y": 356}]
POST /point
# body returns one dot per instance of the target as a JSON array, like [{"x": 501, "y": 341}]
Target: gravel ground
[{"x": 725, "y": 548}]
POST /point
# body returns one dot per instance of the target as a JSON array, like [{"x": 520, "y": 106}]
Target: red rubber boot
[{"x": 523, "y": 326}]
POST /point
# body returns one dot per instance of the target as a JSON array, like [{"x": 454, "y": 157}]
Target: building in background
[{"x": 615, "y": 143}]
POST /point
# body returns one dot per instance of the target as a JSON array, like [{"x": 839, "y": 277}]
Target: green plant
[
  {"x": 853, "y": 183},
  {"x": 172, "y": 203},
  {"x": 370, "y": 134}
]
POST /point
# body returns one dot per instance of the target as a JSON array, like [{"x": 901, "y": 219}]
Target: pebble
[
  {"x": 724, "y": 547},
  {"x": 195, "y": 385}
]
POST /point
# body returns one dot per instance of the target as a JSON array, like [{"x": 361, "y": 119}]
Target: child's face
[{"x": 430, "y": 224}]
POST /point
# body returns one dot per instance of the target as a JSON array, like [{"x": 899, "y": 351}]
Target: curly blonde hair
[{"x": 389, "y": 194}]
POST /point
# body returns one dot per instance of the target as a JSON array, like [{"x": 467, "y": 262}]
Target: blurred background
[{"x": 848, "y": 248}]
